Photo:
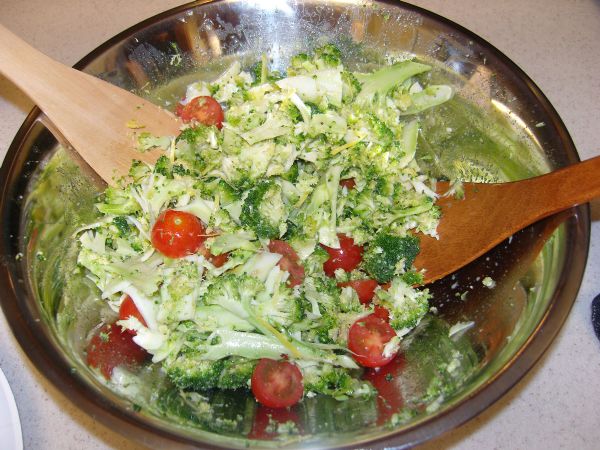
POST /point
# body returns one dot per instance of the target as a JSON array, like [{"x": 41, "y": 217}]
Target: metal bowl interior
[{"x": 499, "y": 121}]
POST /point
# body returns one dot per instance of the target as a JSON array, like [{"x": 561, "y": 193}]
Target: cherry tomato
[
  {"x": 215, "y": 260},
  {"x": 204, "y": 109},
  {"x": 176, "y": 233},
  {"x": 367, "y": 338},
  {"x": 387, "y": 382},
  {"x": 277, "y": 384},
  {"x": 364, "y": 288},
  {"x": 128, "y": 309},
  {"x": 290, "y": 261},
  {"x": 348, "y": 183},
  {"x": 111, "y": 347},
  {"x": 262, "y": 425},
  {"x": 382, "y": 313},
  {"x": 347, "y": 257}
]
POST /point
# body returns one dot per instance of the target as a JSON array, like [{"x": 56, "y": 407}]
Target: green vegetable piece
[
  {"x": 122, "y": 225},
  {"x": 164, "y": 167},
  {"x": 386, "y": 251},
  {"x": 381, "y": 81},
  {"x": 263, "y": 210},
  {"x": 190, "y": 371}
]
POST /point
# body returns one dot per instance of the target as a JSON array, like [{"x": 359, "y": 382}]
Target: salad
[{"x": 271, "y": 246}]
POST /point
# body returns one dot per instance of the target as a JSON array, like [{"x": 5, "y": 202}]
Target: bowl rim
[{"x": 30, "y": 334}]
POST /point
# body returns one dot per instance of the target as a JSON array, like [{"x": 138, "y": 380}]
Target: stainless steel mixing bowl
[{"x": 499, "y": 121}]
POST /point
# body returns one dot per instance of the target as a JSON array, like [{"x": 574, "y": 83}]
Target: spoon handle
[
  {"x": 97, "y": 119},
  {"x": 548, "y": 194}
]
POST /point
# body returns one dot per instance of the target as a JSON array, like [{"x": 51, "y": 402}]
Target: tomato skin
[
  {"x": 364, "y": 288},
  {"x": 112, "y": 346},
  {"x": 382, "y": 313},
  {"x": 128, "y": 309},
  {"x": 290, "y": 261},
  {"x": 348, "y": 183},
  {"x": 204, "y": 109},
  {"x": 367, "y": 338},
  {"x": 277, "y": 384},
  {"x": 176, "y": 233},
  {"x": 347, "y": 257},
  {"x": 215, "y": 260},
  {"x": 385, "y": 380}
]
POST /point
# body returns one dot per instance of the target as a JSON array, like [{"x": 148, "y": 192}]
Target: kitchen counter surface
[{"x": 556, "y": 42}]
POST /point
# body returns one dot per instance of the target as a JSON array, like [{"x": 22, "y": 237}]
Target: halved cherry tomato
[
  {"x": 364, "y": 288},
  {"x": 277, "y": 384},
  {"x": 204, "y": 109},
  {"x": 128, "y": 309},
  {"x": 176, "y": 233},
  {"x": 264, "y": 418},
  {"x": 382, "y": 313},
  {"x": 348, "y": 183},
  {"x": 367, "y": 338},
  {"x": 290, "y": 261},
  {"x": 111, "y": 347},
  {"x": 347, "y": 257},
  {"x": 215, "y": 260},
  {"x": 387, "y": 382}
]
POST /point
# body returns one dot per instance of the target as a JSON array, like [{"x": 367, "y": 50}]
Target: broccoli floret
[
  {"x": 380, "y": 82},
  {"x": 413, "y": 278},
  {"x": 336, "y": 382},
  {"x": 386, "y": 251},
  {"x": 164, "y": 166},
  {"x": 236, "y": 373},
  {"x": 350, "y": 87},
  {"x": 197, "y": 135},
  {"x": 328, "y": 56},
  {"x": 118, "y": 202},
  {"x": 219, "y": 188},
  {"x": 300, "y": 63},
  {"x": 382, "y": 132},
  {"x": 189, "y": 371},
  {"x": 264, "y": 211},
  {"x": 407, "y": 306},
  {"x": 122, "y": 225}
]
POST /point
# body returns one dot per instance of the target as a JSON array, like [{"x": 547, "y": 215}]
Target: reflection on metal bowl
[{"x": 442, "y": 378}]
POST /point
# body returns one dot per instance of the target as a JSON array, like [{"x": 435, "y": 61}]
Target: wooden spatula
[
  {"x": 490, "y": 213},
  {"x": 99, "y": 120}
]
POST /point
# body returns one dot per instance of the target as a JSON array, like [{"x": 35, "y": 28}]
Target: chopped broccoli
[
  {"x": 117, "y": 201},
  {"x": 328, "y": 56},
  {"x": 381, "y": 130},
  {"x": 386, "y": 251},
  {"x": 236, "y": 373},
  {"x": 122, "y": 225},
  {"x": 336, "y": 382},
  {"x": 407, "y": 306},
  {"x": 164, "y": 166},
  {"x": 194, "y": 135},
  {"x": 264, "y": 211},
  {"x": 189, "y": 371}
]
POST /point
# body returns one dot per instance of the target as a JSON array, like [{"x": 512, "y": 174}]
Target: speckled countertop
[{"x": 556, "y": 42}]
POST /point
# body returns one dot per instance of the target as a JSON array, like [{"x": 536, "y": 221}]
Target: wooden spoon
[
  {"x": 100, "y": 121},
  {"x": 490, "y": 213}
]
